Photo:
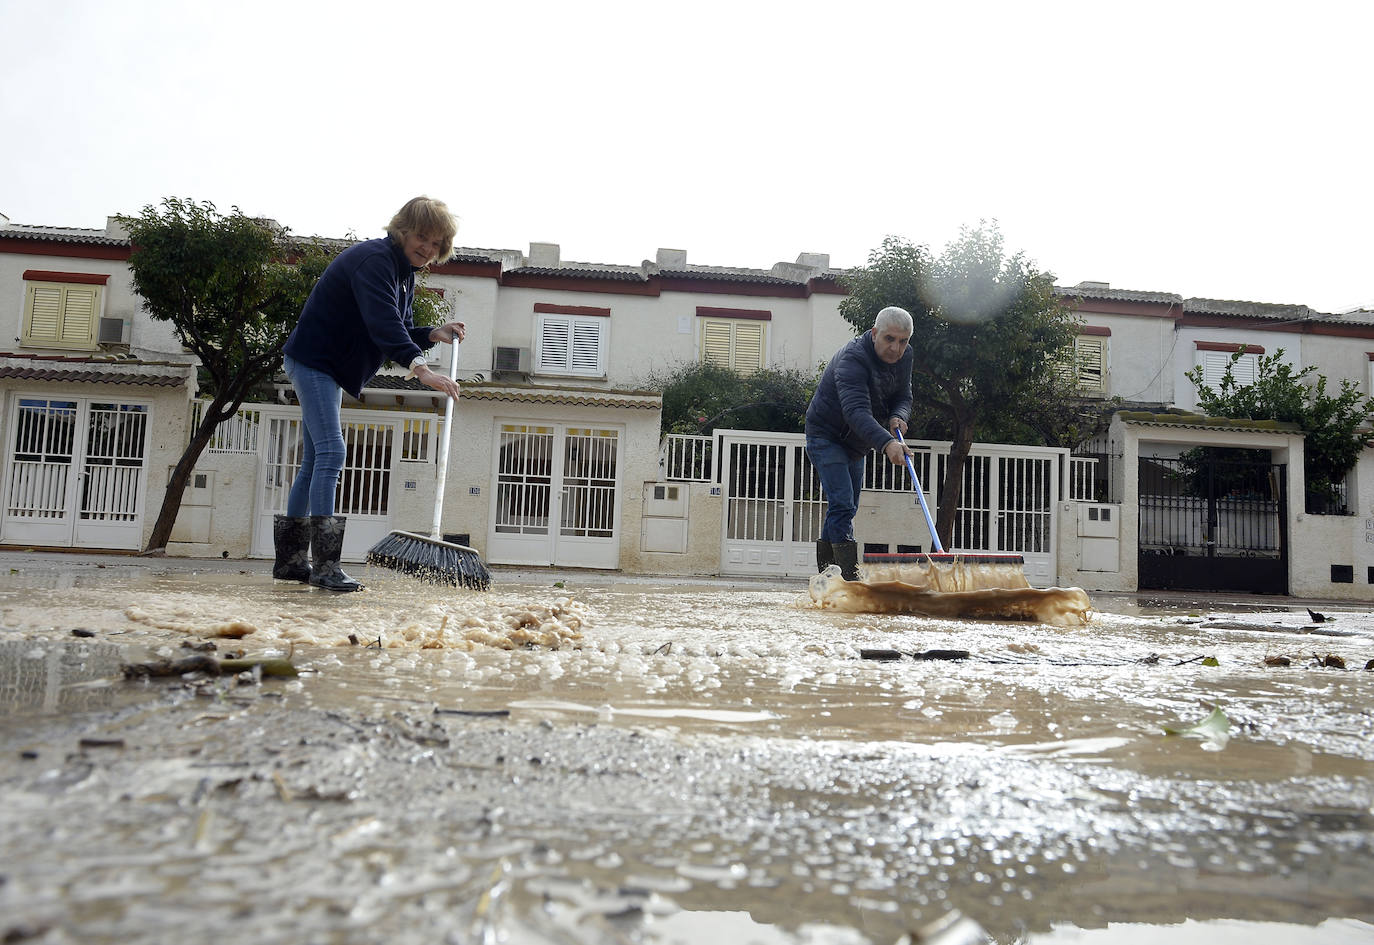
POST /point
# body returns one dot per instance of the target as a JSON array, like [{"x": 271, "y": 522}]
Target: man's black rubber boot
[
  {"x": 326, "y": 544},
  {"x": 825, "y": 556},
  {"x": 292, "y": 539},
  {"x": 847, "y": 557}
]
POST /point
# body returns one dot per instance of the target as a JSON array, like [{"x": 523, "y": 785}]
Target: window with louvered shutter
[
  {"x": 733, "y": 343},
  {"x": 1214, "y": 364},
  {"x": 61, "y": 316},
  {"x": 571, "y": 345},
  {"x": 1090, "y": 362}
]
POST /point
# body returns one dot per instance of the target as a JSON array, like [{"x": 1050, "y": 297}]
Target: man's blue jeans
[
  {"x": 320, "y": 396},
  {"x": 842, "y": 477}
]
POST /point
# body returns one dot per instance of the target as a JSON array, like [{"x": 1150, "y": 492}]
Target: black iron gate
[{"x": 1213, "y": 524}]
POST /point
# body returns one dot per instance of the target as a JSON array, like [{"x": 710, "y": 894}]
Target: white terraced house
[{"x": 557, "y": 458}]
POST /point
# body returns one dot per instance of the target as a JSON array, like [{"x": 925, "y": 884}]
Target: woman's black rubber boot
[
  {"x": 825, "y": 556},
  {"x": 326, "y": 544},
  {"x": 292, "y": 539},
  {"x": 847, "y": 557}
]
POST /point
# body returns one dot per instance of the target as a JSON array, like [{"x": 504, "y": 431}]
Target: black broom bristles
[{"x": 430, "y": 559}]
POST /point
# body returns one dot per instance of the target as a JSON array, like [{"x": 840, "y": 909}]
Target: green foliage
[
  {"x": 698, "y": 397},
  {"x": 988, "y": 332},
  {"x": 988, "y": 336},
  {"x": 1336, "y": 427},
  {"x": 231, "y": 286}
]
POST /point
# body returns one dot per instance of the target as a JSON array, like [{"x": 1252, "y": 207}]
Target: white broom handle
[
  {"x": 921, "y": 497},
  {"x": 443, "y": 444}
]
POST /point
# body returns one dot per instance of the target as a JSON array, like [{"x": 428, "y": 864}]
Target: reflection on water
[{"x": 660, "y": 763}]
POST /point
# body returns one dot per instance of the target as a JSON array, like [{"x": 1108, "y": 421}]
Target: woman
[{"x": 358, "y": 315}]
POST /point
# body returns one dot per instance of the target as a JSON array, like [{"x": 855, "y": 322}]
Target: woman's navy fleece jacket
[{"x": 359, "y": 315}]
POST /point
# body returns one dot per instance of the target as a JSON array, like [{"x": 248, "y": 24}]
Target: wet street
[{"x": 589, "y": 758}]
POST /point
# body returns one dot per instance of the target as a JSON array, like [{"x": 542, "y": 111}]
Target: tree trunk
[
  {"x": 176, "y": 485},
  {"x": 951, "y": 488}
]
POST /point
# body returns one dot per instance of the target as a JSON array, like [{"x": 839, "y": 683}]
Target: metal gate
[
  {"x": 774, "y": 506},
  {"x": 1212, "y": 524},
  {"x": 552, "y": 472},
  {"x": 364, "y": 490},
  {"x": 75, "y": 472}
]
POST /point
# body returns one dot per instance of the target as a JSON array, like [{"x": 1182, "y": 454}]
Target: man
[{"x": 862, "y": 401}]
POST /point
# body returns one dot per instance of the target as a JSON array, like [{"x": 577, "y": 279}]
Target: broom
[
  {"x": 941, "y": 570},
  {"x": 429, "y": 557}
]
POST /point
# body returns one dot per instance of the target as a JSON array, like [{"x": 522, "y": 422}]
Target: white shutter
[
  {"x": 586, "y": 346},
  {"x": 1214, "y": 364},
  {"x": 1090, "y": 362},
  {"x": 554, "y": 341}
]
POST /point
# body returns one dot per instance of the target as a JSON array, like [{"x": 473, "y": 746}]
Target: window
[
  {"x": 415, "y": 441},
  {"x": 61, "y": 309},
  {"x": 734, "y": 338},
  {"x": 1214, "y": 358},
  {"x": 571, "y": 339},
  {"x": 1090, "y": 363}
]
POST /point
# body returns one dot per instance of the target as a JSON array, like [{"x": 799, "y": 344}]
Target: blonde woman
[{"x": 358, "y": 316}]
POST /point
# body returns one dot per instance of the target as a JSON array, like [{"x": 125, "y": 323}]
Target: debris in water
[
  {"x": 82, "y": 632},
  {"x": 1277, "y": 661},
  {"x": 883, "y": 655},
  {"x": 1316, "y": 617},
  {"x": 1332, "y": 661},
  {"x": 101, "y": 743},
  {"x": 1057, "y": 606},
  {"x": 1215, "y": 730},
  {"x": 941, "y": 655},
  {"x": 201, "y": 663}
]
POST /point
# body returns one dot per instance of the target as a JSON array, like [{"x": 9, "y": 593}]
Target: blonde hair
[{"x": 428, "y": 217}]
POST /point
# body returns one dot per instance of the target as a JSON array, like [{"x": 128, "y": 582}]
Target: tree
[
  {"x": 989, "y": 337},
  {"x": 1336, "y": 429},
  {"x": 699, "y": 396},
  {"x": 232, "y": 287}
]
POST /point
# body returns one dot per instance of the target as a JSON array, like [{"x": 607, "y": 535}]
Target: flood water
[{"x": 586, "y": 758}]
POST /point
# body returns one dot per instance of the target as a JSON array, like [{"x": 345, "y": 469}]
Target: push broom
[
  {"x": 429, "y": 557},
  {"x": 943, "y": 571}
]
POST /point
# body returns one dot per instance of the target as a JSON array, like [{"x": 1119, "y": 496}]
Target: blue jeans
[
  {"x": 842, "y": 477},
  {"x": 320, "y": 396}
]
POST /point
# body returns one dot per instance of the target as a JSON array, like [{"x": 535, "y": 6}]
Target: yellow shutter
[
  {"x": 62, "y": 316},
  {"x": 748, "y": 349},
  {"x": 715, "y": 342},
  {"x": 45, "y": 312},
  {"x": 78, "y": 315}
]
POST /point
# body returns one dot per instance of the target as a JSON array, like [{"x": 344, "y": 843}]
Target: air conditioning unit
[
  {"x": 114, "y": 331},
  {"x": 510, "y": 360}
]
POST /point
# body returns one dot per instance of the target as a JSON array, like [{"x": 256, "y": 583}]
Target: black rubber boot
[
  {"x": 292, "y": 538},
  {"x": 847, "y": 557},
  {"x": 326, "y": 544},
  {"x": 825, "y": 556}
]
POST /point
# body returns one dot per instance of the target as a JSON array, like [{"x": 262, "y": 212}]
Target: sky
[{"x": 1210, "y": 149}]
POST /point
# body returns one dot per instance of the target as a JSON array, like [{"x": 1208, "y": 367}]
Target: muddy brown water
[{"x": 615, "y": 760}]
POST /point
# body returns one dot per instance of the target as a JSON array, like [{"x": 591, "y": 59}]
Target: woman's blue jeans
[
  {"x": 842, "y": 477},
  {"x": 320, "y": 396}
]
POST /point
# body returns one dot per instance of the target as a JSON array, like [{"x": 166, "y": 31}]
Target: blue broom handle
[
  {"x": 442, "y": 481},
  {"x": 920, "y": 497}
]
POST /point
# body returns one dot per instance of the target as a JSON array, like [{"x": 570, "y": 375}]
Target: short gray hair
[{"x": 893, "y": 316}]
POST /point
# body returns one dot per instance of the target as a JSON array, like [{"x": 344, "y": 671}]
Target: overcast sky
[{"x": 1210, "y": 149}]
